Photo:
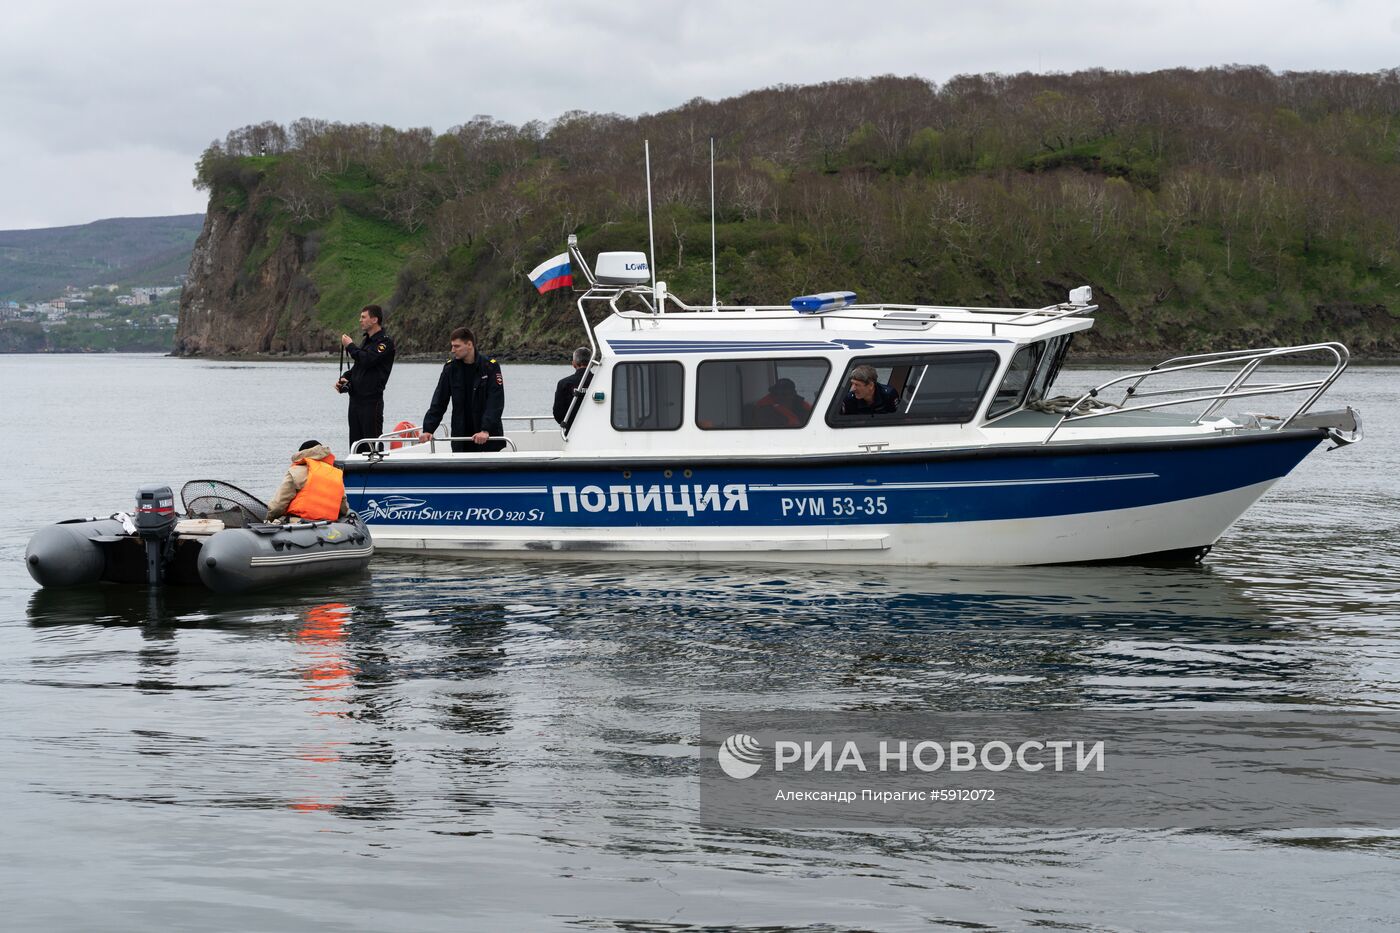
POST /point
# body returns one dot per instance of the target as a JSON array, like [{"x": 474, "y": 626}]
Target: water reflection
[
  {"x": 159, "y": 610},
  {"x": 429, "y": 695},
  {"x": 817, "y": 637},
  {"x": 326, "y": 671},
  {"x": 326, "y": 674}
]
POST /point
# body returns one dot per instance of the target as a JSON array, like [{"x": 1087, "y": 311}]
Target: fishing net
[{"x": 208, "y": 498}]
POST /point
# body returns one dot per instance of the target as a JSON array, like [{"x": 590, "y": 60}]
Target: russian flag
[{"x": 552, "y": 273}]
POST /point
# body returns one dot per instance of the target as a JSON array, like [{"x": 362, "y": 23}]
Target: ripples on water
[{"x": 441, "y": 745}]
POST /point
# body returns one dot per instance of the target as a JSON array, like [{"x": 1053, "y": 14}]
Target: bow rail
[{"x": 1214, "y": 395}]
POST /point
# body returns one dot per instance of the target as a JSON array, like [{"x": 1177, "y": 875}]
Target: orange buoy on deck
[{"x": 401, "y": 428}]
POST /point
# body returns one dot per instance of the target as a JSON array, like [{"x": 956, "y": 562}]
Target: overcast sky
[{"x": 105, "y": 106}]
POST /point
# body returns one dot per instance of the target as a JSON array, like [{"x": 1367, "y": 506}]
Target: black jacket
[
  {"x": 564, "y": 394},
  {"x": 885, "y": 402},
  {"x": 477, "y": 407},
  {"x": 374, "y": 360}
]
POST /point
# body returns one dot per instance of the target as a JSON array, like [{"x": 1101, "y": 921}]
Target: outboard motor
[{"x": 155, "y": 520}]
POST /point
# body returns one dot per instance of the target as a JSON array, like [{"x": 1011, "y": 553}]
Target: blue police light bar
[{"x": 826, "y": 301}]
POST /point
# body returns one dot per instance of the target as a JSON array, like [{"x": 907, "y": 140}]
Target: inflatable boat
[{"x": 220, "y": 540}]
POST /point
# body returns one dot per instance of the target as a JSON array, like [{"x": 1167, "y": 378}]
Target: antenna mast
[
  {"x": 714, "y": 278},
  {"x": 651, "y": 232}
]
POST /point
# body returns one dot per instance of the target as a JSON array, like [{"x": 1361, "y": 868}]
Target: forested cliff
[{"x": 1208, "y": 209}]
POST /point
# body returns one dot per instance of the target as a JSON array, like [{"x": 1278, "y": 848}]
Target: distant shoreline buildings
[{"x": 96, "y": 306}]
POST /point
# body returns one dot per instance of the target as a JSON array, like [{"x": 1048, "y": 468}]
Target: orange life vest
[
  {"x": 785, "y": 415},
  {"x": 319, "y": 500}
]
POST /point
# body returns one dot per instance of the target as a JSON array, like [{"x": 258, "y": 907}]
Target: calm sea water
[{"x": 443, "y": 745}]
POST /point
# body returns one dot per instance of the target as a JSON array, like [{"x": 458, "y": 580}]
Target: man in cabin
[
  {"x": 868, "y": 396},
  {"x": 366, "y": 379},
  {"x": 471, "y": 383},
  {"x": 568, "y": 387},
  {"x": 313, "y": 489},
  {"x": 782, "y": 407}
]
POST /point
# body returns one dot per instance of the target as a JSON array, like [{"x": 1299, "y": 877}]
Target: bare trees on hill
[{"x": 1225, "y": 182}]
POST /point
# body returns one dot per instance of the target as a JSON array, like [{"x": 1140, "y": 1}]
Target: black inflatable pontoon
[{"x": 220, "y": 541}]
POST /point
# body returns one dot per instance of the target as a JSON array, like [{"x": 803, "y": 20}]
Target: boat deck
[{"x": 1044, "y": 420}]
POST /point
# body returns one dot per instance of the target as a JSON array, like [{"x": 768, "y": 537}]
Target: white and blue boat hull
[{"x": 1141, "y": 500}]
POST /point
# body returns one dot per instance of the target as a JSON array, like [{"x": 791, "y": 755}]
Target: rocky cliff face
[
  {"x": 246, "y": 292},
  {"x": 252, "y": 290}
]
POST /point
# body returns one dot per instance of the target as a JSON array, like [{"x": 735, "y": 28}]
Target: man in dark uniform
[
  {"x": 564, "y": 391},
  {"x": 472, "y": 384},
  {"x": 366, "y": 379},
  {"x": 868, "y": 396}
]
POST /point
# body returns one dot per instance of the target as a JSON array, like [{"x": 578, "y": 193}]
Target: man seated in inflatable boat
[{"x": 313, "y": 489}]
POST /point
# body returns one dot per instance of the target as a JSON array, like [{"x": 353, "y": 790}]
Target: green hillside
[
  {"x": 37, "y": 264},
  {"x": 1207, "y": 208}
]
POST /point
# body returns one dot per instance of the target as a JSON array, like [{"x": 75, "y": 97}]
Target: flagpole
[
  {"x": 714, "y": 280},
  {"x": 651, "y": 232}
]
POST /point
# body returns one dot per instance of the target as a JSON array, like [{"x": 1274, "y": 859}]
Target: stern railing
[{"x": 408, "y": 437}]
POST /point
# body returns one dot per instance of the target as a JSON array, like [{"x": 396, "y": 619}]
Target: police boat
[
  {"x": 220, "y": 541},
  {"x": 717, "y": 433}
]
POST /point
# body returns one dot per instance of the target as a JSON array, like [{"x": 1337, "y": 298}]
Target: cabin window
[
  {"x": 1011, "y": 394},
  {"x": 749, "y": 394},
  {"x": 1056, "y": 349},
  {"x": 935, "y": 388},
  {"x": 647, "y": 396}
]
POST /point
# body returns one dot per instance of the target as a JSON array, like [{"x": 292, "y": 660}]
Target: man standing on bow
[
  {"x": 471, "y": 383},
  {"x": 366, "y": 379}
]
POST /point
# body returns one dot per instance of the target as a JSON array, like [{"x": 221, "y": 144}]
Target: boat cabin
[
  {"x": 753, "y": 379},
  {"x": 668, "y": 379}
]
